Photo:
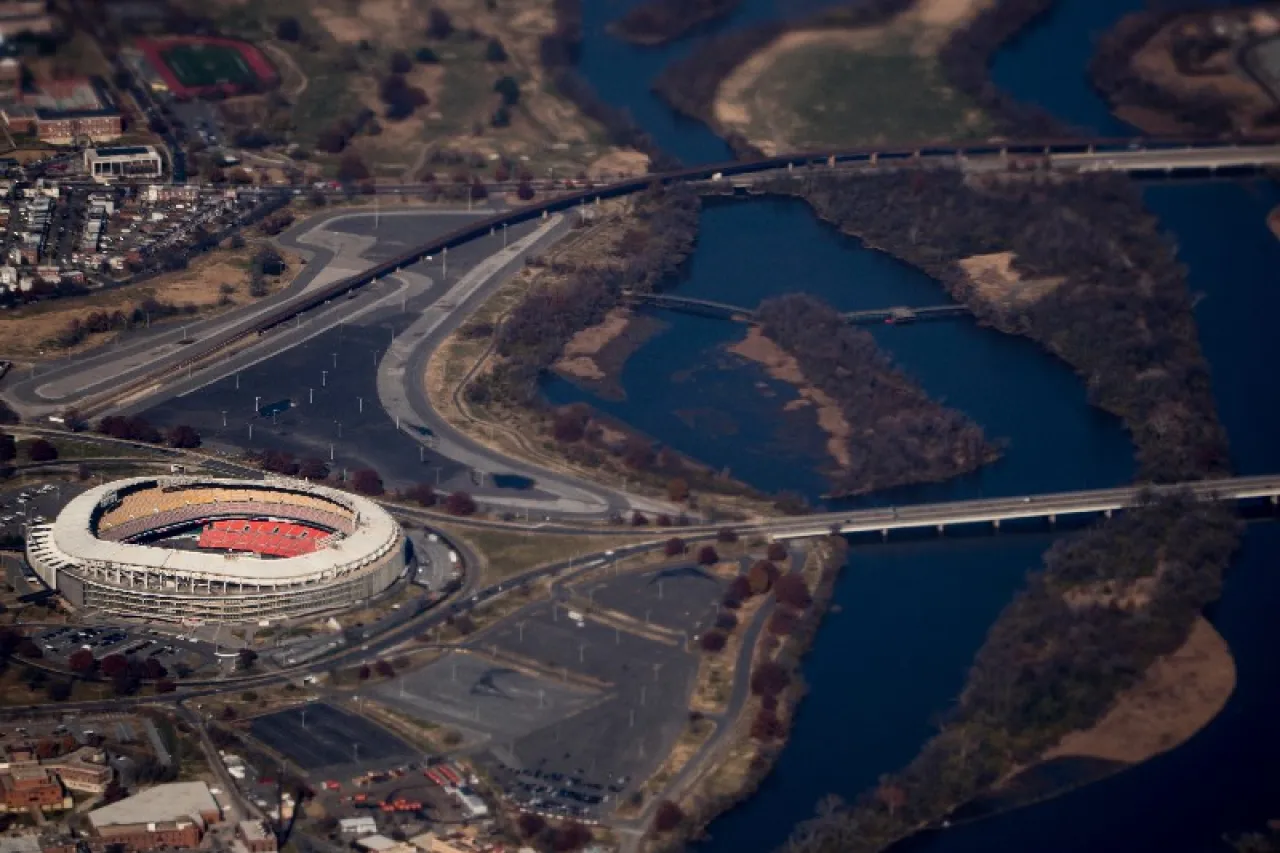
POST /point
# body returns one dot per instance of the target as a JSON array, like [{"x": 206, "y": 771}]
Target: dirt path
[{"x": 282, "y": 56}]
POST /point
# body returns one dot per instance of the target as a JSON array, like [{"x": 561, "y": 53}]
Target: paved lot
[
  {"x": 326, "y": 383},
  {"x": 140, "y": 644},
  {"x": 682, "y": 598},
  {"x": 472, "y": 693},
  {"x": 320, "y": 736},
  {"x": 579, "y": 765}
]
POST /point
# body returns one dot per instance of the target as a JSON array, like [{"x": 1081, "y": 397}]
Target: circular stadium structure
[{"x": 198, "y": 549}]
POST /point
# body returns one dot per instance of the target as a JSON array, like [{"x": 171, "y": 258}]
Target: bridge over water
[
  {"x": 993, "y": 511},
  {"x": 726, "y": 311}
]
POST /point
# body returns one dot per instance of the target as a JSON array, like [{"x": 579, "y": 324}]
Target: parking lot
[
  {"x": 178, "y": 656},
  {"x": 683, "y": 598},
  {"x": 36, "y": 503},
  {"x": 319, "y": 736},
  {"x": 471, "y": 693}
]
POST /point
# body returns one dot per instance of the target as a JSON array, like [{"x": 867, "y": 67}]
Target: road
[{"x": 330, "y": 255}]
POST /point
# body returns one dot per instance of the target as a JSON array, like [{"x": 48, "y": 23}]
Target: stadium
[{"x": 198, "y": 550}]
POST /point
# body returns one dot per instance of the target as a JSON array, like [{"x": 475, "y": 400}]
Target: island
[
  {"x": 1205, "y": 72},
  {"x": 884, "y": 431},
  {"x": 785, "y": 86}
]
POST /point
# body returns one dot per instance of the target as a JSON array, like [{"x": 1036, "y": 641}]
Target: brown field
[
  {"x": 1177, "y": 696},
  {"x": 1222, "y": 79},
  {"x": 27, "y": 331},
  {"x": 996, "y": 282},
  {"x": 764, "y": 110}
]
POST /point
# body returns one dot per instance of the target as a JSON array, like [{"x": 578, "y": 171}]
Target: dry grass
[
  {"x": 28, "y": 332},
  {"x": 847, "y": 85},
  {"x": 996, "y": 282},
  {"x": 509, "y": 553},
  {"x": 1178, "y": 695}
]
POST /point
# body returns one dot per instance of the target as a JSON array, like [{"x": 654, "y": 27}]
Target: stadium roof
[
  {"x": 72, "y": 533},
  {"x": 173, "y": 801}
]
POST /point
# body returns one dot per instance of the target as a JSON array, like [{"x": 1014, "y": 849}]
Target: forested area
[
  {"x": 1053, "y": 662},
  {"x": 663, "y": 227},
  {"x": 1121, "y": 315},
  {"x": 898, "y": 435},
  {"x": 1111, "y": 71},
  {"x": 656, "y": 22}
]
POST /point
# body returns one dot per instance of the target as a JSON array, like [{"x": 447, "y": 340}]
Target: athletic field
[
  {"x": 193, "y": 65},
  {"x": 199, "y": 65}
]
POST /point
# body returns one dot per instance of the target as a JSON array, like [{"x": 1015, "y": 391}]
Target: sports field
[
  {"x": 201, "y": 65},
  {"x": 194, "y": 65}
]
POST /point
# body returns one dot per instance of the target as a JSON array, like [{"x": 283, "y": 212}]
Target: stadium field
[{"x": 198, "y": 66}]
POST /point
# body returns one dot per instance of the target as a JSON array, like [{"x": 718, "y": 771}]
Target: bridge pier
[
  {"x": 941, "y": 529},
  {"x": 1107, "y": 513},
  {"x": 1053, "y": 520},
  {"x": 1275, "y": 499},
  {"x": 995, "y": 523},
  {"x": 875, "y": 157},
  {"x": 791, "y": 167},
  {"x": 831, "y": 161},
  {"x": 884, "y": 533}
]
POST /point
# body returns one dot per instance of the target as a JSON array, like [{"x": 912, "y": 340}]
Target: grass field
[
  {"x": 199, "y": 65},
  {"x": 829, "y": 96}
]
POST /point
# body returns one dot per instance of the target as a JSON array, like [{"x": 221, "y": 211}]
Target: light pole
[
  {"x": 324, "y": 378},
  {"x": 256, "y": 402}
]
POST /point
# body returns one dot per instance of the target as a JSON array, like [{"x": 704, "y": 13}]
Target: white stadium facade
[{"x": 194, "y": 549}]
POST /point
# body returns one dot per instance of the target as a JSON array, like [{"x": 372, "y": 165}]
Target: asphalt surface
[
  {"x": 319, "y": 736},
  {"x": 331, "y": 255}
]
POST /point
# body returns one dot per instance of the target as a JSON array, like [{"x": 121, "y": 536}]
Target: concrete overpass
[
  {"x": 725, "y": 311},
  {"x": 993, "y": 511},
  {"x": 1083, "y": 152}
]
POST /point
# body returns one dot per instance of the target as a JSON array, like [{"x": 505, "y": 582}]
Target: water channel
[{"x": 912, "y": 614}]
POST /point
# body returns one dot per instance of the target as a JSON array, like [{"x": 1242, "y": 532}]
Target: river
[{"x": 912, "y": 614}]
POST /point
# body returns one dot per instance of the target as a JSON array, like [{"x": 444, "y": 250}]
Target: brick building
[
  {"x": 254, "y": 837},
  {"x": 22, "y": 788},
  {"x": 85, "y": 770},
  {"x": 173, "y": 815},
  {"x": 182, "y": 834}
]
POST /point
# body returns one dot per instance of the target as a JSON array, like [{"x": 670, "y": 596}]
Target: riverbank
[
  {"x": 1188, "y": 73},
  {"x": 1273, "y": 221},
  {"x": 921, "y": 67},
  {"x": 1027, "y": 692},
  {"x": 657, "y": 22},
  {"x": 884, "y": 430},
  {"x": 564, "y": 312},
  {"x": 754, "y": 737},
  {"x": 1097, "y": 284}
]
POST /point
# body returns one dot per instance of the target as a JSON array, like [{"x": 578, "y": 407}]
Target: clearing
[
  {"x": 1178, "y": 695},
  {"x": 833, "y": 86},
  {"x": 997, "y": 283}
]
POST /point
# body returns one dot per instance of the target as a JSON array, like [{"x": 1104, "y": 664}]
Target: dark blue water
[
  {"x": 623, "y": 74},
  {"x": 685, "y": 391},
  {"x": 914, "y": 614}
]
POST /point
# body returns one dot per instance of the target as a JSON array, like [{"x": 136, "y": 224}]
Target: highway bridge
[
  {"x": 725, "y": 311},
  {"x": 993, "y": 511},
  {"x": 1188, "y": 154}
]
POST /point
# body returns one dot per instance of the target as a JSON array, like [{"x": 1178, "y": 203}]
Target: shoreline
[
  {"x": 1148, "y": 71},
  {"x": 655, "y": 23},
  {"x": 1273, "y": 221}
]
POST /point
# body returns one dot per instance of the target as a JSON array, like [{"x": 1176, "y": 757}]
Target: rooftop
[{"x": 161, "y": 803}]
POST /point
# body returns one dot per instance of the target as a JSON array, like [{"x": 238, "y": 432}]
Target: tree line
[
  {"x": 656, "y": 22},
  {"x": 1053, "y": 662},
  {"x": 899, "y": 435},
  {"x": 534, "y": 335},
  {"x": 1121, "y": 315},
  {"x": 1112, "y": 73}
]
